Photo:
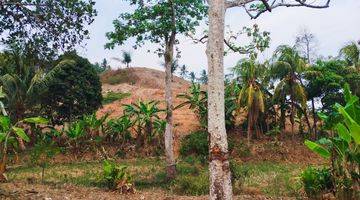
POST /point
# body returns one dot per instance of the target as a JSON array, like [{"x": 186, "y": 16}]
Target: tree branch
[{"x": 255, "y": 13}]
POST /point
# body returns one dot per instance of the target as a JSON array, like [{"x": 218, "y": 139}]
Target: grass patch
[
  {"x": 270, "y": 179},
  {"x": 110, "y": 97},
  {"x": 114, "y": 77}
]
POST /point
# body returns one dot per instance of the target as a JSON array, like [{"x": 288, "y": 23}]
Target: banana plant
[
  {"x": 143, "y": 115},
  {"x": 120, "y": 128},
  {"x": 93, "y": 124},
  {"x": 344, "y": 149},
  {"x": 196, "y": 100},
  {"x": 8, "y": 136}
]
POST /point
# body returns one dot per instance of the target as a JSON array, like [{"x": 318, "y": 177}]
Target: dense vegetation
[{"x": 49, "y": 102}]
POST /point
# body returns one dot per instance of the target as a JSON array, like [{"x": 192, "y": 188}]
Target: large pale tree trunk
[
  {"x": 220, "y": 178},
  {"x": 169, "y": 137}
]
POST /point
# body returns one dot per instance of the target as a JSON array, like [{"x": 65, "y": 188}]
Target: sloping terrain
[{"x": 148, "y": 84}]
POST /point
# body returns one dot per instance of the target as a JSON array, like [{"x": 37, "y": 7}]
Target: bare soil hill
[{"x": 148, "y": 84}]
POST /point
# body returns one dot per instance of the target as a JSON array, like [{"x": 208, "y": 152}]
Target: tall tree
[
  {"x": 47, "y": 25},
  {"x": 192, "y": 76},
  {"x": 287, "y": 68},
  {"x": 306, "y": 43},
  {"x": 126, "y": 58},
  {"x": 183, "y": 71},
  {"x": 351, "y": 53},
  {"x": 203, "y": 77},
  {"x": 251, "y": 95},
  {"x": 220, "y": 182},
  {"x": 160, "y": 22}
]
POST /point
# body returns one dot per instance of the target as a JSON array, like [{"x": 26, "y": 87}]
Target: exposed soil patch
[{"x": 16, "y": 191}]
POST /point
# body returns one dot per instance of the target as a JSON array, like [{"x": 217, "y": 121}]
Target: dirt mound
[{"x": 148, "y": 84}]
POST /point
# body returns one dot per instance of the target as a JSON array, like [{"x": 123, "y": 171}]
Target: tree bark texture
[
  {"x": 220, "y": 177},
  {"x": 169, "y": 136}
]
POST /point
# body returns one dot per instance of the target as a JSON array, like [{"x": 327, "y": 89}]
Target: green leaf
[
  {"x": 21, "y": 133},
  {"x": 318, "y": 149},
  {"x": 355, "y": 132},
  {"x": 5, "y": 123},
  {"x": 323, "y": 116},
  {"x": 2, "y": 137},
  {"x": 343, "y": 132},
  {"x": 36, "y": 120}
]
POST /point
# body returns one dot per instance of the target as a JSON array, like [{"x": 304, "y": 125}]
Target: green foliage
[
  {"x": 46, "y": 26},
  {"x": 8, "y": 136},
  {"x": 196, "y": 99},
  {"x": 351, "y": 53},
  {"x": 192, "y": 185},
  {"x": 119, "y": 129},
  {"x": 343, "y": 149},
  {"x": 153, "y": 21},
  {"x": 44, "y": 150},
  {"x": 100, "y": 68},
  {"x": 317, "y": 182},
  {"x": 126, "y": 58},
  {"x": 145, "y": 117},
  {"x": 110, "y": 97},
  {"x": 195, "y": 144},
  {"x": 74, "y": 91},
  {"x": 117, "y": 177}
]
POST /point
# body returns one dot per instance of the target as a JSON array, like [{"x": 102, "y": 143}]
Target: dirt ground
[{"x": 21, "y": 191}]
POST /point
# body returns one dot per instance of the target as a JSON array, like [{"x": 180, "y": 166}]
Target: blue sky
[{"x": 333, "y": 28}]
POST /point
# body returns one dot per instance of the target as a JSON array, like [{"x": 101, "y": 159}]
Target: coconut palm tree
[
  {"x": 183, "y": 71},
  {"x": 287, "y": 68},
  {"x": 351, "y": 53},
  {"x": 126, "y": 58},
  {"x": 248, "y": 72},
  {"x": 192, "y": 76},
  {"x": 203, "y": 77}
]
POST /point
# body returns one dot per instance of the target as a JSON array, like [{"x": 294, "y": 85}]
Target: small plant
[
  {"x": 144, "y": 114},
  {"x": 192, "y": 179},
  {"x": 195, "y": 144},
  {"x": 8, "y": 136},
  {"x": 75, "y": 132},
  {"x": 317, "y": 182},
  {"x": 117, "y": 178},
  {"x": 238, "y": 176},
  {"x": 196, "y": 100},
  {"x": 119, "y": 129},
  {"x": 44, "y": 150}
]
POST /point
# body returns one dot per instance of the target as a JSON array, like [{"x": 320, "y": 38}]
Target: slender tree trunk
[
  {"x": 249, "y": 129},
  {"x": 314, "y": 118},
  {"x": 169, "y": 137},
  {"x": 220, "y": 177}
]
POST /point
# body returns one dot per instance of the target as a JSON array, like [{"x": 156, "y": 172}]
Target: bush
[
  {"x": 195, "y": 144},
  {"x": 110, "y": 97},
  {"x": 238, "y": 176},
  {"x": 73, "y": 91},
  {"x": 117, "y": 178},
  {"x": 317, "y": 182}
]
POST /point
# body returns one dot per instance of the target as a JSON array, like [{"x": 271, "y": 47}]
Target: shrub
[
  {"x": 317, "y": 182},
  {"x": 117, "y": 178},
  {"x": 110, "y": 97},
  {"x": 195, "y": 144},
  {"x": 73, "y": 91},
  {"x": 238, "y": 176},
  {"x": 191, "y": 180}
]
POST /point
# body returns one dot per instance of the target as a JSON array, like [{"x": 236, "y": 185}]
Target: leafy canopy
[
  {"x": 153, "y": 21},
  {"x": 45, "y": 25}
]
